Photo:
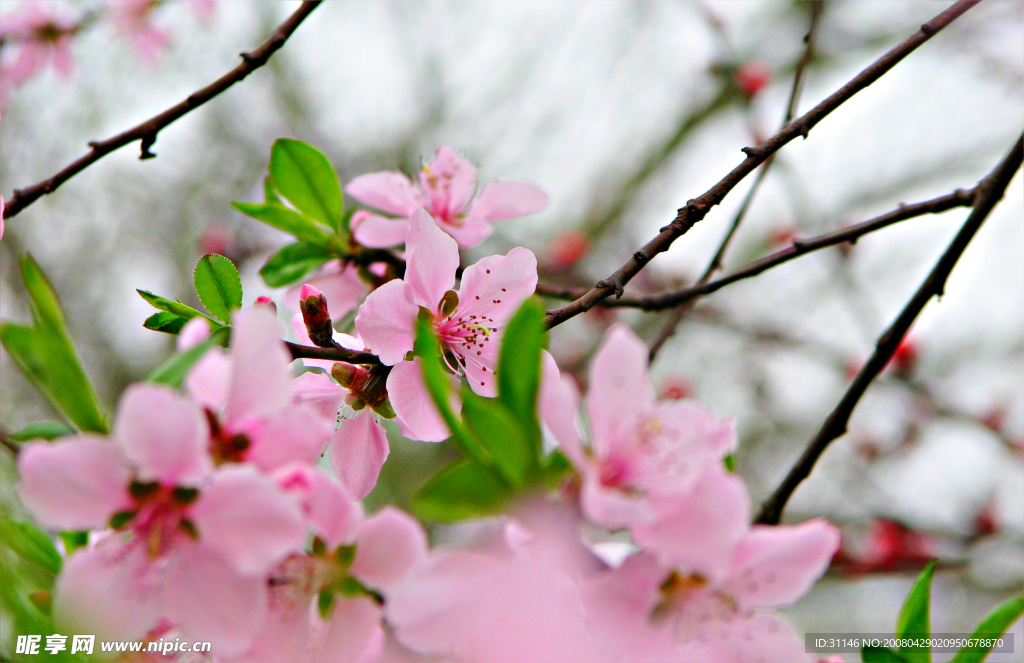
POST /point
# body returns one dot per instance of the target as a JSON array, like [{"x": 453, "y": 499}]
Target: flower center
[{"x": 159, "y": 517}]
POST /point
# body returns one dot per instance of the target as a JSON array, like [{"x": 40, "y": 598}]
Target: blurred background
[{"x": 622, "y": 111}]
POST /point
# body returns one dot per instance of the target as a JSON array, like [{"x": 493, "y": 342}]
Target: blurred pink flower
[
  {"x": 133, "y": 19},
  {"x": 191, "y": 543},
  {"x": 37, "y": 35},
  {"x": 340, "y": 284},
  {"x": 445, "y": 189}
]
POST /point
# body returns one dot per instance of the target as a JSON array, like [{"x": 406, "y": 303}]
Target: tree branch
[
  {"x": 676, "y": 316},
  {"x": 147, "y": 131},
  {"x": 990, "y": 191},
  {"x": 331, "y": 354},
  {"x": 697, "y": 208},
  {"x": 669, "y": 299}
]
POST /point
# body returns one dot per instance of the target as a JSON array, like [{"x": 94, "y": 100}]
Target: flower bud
[
  {"x": 348, "y": 375},
  {"x": 313, "y": 305},
  {"x": 752, "y": 76},
  {"x": 263, "y": 300}
]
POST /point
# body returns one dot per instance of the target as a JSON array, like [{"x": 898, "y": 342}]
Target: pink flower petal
[
  {"x": 296, "y": 433},
  {"x": 245, "y": 517},
  {"x": 387, "y": 321},
  {"x": 329, "y": 507},
  {"x": 508, "y": 199},
  {"x": 358, "y": 449},
  {"x": 558, "y": 404},
  {"x": 74, "y": 484},
  {"x": 467, "y": 232},
  {"x": 696, "y": 532},
  {"x": 341, "y": 286},
  {"x": 389, "y": 192},
  {"x": 415, "y": 409},
  {"x": 209, "y": 381},
  {"x": 620, "y": 390},
  {"x": 775, "y": 566},
  {"x": 110, "y": 590},
  {"x": 352, "y": 632},
  {"x": 260, "y": 379},
  {"x": 209, "y": 600},
  {"x": 481, "y": 364},
  {"x": 164, "y": 434},
  {"x": 449, "y": 182},
  {"x": 379, "y": 231},
  {"x": 318, "y": 392},
  {"x": 496, "y": 286},
  {"x": 759, "y": 637},
  {"x": 433, "y": 258},
  {"x": 391, "y": 543},
  {"x": 193, "y": 333}
]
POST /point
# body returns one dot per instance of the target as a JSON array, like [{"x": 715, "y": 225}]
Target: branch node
[
  {"x": 94, "y": 144},
  {"x": 248, "y": 58},
  {"x": 605, "y": 284},
  {"x": 147, "y": 142},
  {"x": 752, "y": 152},
  {"x": 640, "y": 256},
  {"x": 928, "y": 29}
]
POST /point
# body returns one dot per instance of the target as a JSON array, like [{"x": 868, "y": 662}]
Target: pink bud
[
  {"x": 569, "y": 248},
  {"x": 905, "y": 357},
  {"x": 309, "y": 291},
  {"x": 752, "y": 76}
]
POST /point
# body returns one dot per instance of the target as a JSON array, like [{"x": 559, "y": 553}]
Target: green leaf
[
  {"x": 992, "y": 626},
  {"x": 45, "y": 354},
  {"x": 427, "y": 348},
  {"x": 873, "y": 654},
  {"x": 519, "y": 367},
  {"x": 218, "y": 285},
  {"x": 165, "y": 322},
  {"x": 554, "y": 468},
  {"x": 466, "y": 489},
  {"x": 42, "y": 430},
  {"x": 288, "y": 220},
  {"x": 176, "y": 307},
  {"x": 269, "y": 195},
  {"x": 30, "y": 544},
  {"x": 292, "y": 262},
  {"x": 173, "y": 370},
  {"x": 303, "y": 175},
  {"x": 914, "y": 621},
  {"x": 498, "y": 430},
  {"x": 74, "y": 540}
]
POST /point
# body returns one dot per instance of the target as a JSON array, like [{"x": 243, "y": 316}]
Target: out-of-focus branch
[
  {"x": 671, "y": 298},
  {"x": 990, "y": 191},
  {"x": 147, "y": 131},
  {"x": 331, "y": 354},
  {"x": 697, "y": 208},
  {"x": 676, "y": 316}
]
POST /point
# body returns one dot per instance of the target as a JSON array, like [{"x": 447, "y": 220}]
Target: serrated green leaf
[
  {"x": 306, "y": 178},
  {"x": 519, "y": 367},
  {"x": 292, "y": 262},
  {"x": 177, "y": 308},
  {"x": 42, "y": 430},
  {"x": 29, "y": 543},
  {"x": 218, "y": 285},
  {"x": 165, "y": 322},
  {"x": 992, "y": 626},
  {"x": 295, "y": 224},
  {"x": 509, "y": 445},
  {"x": 466, "y": 489},
  {"x": 427, "y": 348},
  {"x": 173, "y": 370},
  {"x": 872, "y": 654},
  {"x": 45, "y": 354},
  {"x": 914, "y": 621}
]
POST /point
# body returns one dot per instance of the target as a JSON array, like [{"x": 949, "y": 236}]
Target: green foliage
[
  {"x": 288, "y": 220},
  {"x": 914, "y": 623},
  {"x": 45, "y": 354},
  {"x": 500, "y": 437},
  {"x": 45, "y": 430},
  {"x": 992, "y": 626},
  {"x": 218, "y": 285},
  {"x": 175, "y": 307},
  {"x": 165, "y": 322},
  {"x": 305, "y": 177},
  {"x": 31, "y": 544},
  {"x": 173, "y": 370},
  {"x": 292, "y": 262}
]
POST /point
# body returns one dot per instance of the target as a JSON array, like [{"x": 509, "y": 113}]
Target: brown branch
[
  {"x": 800, "y": 247},
  {"x": 990, "y": 191},
  {"x": 331, "y": 354},
  {"x": 148, "y": 130},
  {"x": 676, "y": 316},
  {"x": 697, "y": 208}
]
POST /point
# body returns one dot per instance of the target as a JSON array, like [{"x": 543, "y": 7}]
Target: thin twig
[
  {"x": 799, "y": 247},
  {"x": 697, "y": 208},
  {"x": 676, "y": 316},
  {"x": 331, "y": 354},
  {"x": 147, "y": 131},
  {"x": 990, "y": 191}
]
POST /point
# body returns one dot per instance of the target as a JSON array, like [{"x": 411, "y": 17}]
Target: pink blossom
[
  {"x": 340, "y": 284},
  {"x": 38, "y": 35},
  {"x": 640, "y": 448},
  {"x": 133, "y": 19},
  {"x": 249, "y": 400},
  {"x": 304, "y": 627},
  {"x": 191, "y": 542},
  {"x": 649, "y": 612},
  {"x": 445, "y": 189},
  {"x": 468, "y": 323}
]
